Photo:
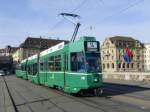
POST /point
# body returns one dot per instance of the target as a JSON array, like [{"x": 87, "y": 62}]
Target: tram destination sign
[{"x": 92, "y": 46}]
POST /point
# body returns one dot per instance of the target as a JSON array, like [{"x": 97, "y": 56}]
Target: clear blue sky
[{"x": 22, "y": 18}]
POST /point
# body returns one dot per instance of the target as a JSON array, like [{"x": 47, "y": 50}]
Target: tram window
[
  {"x": 31, "y": 72},
  {"x": 22, "y": 67},
  {"x": 41, "y": 66},
  {"x": 57, "y": 64},
  {"x": 74, "y": 62},
  {"x": 51, "y": 63},
  {"x": 45, "y": 66},
  {"x": 77, "y": 62},
  {"x": 35, "y": 69},
  {"x": 93, "y": 62},
  {"x": 30, "y": 69},
  {"x": 27, "y": 68}
]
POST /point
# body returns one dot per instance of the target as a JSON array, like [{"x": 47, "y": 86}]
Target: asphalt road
[{"x": 18, "y": 95}]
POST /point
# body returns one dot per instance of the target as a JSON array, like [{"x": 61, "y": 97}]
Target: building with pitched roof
[
  {"x": 121, "y": 53},
  {"x": 34, "y": 45},
  {"x": 8, "y": 51}
]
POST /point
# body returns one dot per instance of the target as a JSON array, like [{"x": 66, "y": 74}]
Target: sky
[{"x": 20, "y": 19}]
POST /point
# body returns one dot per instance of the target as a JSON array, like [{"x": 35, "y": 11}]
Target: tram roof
[{"x": 53, "y": 49}]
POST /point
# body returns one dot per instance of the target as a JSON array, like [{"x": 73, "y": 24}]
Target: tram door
[{"x": 65, "y": 68}]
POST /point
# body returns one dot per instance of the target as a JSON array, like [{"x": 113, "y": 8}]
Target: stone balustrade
[{"x": 135, "y": 76}]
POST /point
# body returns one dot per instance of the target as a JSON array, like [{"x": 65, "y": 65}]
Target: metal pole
[
  {"x": 77, "y": 25},
  {"x": 75, "y": 32}
]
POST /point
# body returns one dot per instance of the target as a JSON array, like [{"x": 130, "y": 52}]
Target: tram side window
[
  {"x": 35, "y": 69},
  {"x": 57, "y": 64},
  {"x": 30, "y": 69},
  {"x": 74, "y": 62},
  {"x": 77, "y": 62},
  {"x": 22, "y": 67},
  {"x": 45, "y": 66},
  {"x": 51, "y": 63},
  {"x": 66, "y": 62},
  {"x": 41, "y": 66}
]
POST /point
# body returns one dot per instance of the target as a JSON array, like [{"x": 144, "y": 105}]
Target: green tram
[{"x": 74, "y": 67}]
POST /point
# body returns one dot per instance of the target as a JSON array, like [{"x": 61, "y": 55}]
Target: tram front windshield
[{"x": 92, "y": 62}]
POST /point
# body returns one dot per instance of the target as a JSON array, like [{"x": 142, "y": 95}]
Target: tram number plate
[{"x": 92, "y": 46}]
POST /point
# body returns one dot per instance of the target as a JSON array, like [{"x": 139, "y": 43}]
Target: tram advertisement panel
[{"x": 92, "y": 46}]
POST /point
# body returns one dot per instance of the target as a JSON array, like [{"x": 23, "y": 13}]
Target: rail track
[
  {"x": 89, "y": 101},
  {"x": 61, "y": 93},
  {"x": 104, "y": 103}
]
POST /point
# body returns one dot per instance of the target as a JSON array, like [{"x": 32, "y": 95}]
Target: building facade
[
  {"x": 147, "y": 57},
  {"x": 8, "y": 51},
  {"x": 2, "y": 52},
  {"x": 32, "y": 46},
  {"x": 113, "y": 52}
]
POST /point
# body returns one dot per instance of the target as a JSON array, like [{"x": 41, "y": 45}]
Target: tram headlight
[
  {"x": 82, "y": 77},
  {"x": 96, "y": 80}
]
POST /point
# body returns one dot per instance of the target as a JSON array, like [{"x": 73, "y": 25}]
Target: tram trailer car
[
  {"x": 21, "y": 69},
  {"x": 74, "y": 67}
]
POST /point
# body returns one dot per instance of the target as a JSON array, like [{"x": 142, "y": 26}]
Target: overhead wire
[
  {"x": 76, "y": 8},
  {"x": 116, "y": 13},
  {"x": 81, "y": 4}
]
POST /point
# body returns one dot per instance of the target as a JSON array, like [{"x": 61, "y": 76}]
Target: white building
[{"x": 147, "y": 57}]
